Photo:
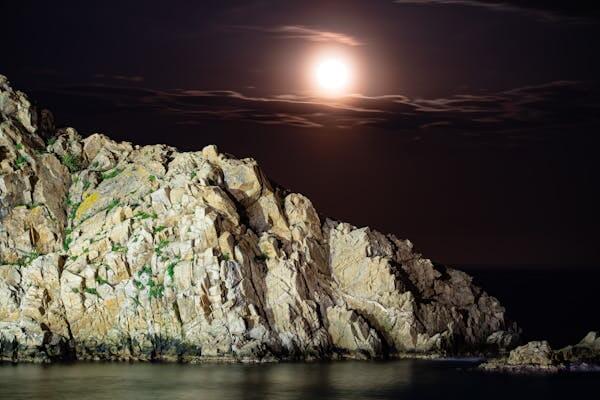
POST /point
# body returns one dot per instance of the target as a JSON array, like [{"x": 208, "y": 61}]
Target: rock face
[
  {"x": 537, "y": 353},
  {"x": 111, "y": 251},
  {"x": 538, "y": 356},
  {"x": 587, "y": 350}
]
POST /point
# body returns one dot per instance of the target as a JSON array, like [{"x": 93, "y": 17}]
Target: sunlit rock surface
[{"x": 112, "y": 251}]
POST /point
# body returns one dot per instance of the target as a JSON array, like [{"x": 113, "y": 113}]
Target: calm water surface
[{"x": 336, "y": 380}]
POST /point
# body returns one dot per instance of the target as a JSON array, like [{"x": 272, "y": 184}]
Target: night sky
[{"x": 471, "y": 128}]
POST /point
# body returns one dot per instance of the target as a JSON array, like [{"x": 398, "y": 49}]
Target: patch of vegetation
[
  {"x": 261, "y": 257},
  {"x": 21, "y": 160},
  {"x": 51, "y": 141},
  {"x": 30, "y": 257},
  {"x": 75, "y": 290},
  {"x": 145, "y": 270},
  {"x": 91, "y": 291},
  {"x": 67, "y": 242},
  {"x": 113, "y": 203},
  {"x": 86, "y": 185},
  {"x": 159, "y": 228},
  {"x": 118, "y": 248},
  {"x": 111, "y": 174},
  {"x": 160, "y": 246},
  {"x": 145, "y": 215},
  {"x": 73, "y": 210},
  {"x": 72, "y": 162},
  {"x": 139, "y": 285},
  {"x": 225, "y": 256},
  {"x": 193, "y": 175},
  {"x": 156, "y": 290},
  {"x": 19, "y": 146},
  {"x": 152, "y": 178},
  {"x": 101, "y": 281},
  {"x": 171, "y": 268}
]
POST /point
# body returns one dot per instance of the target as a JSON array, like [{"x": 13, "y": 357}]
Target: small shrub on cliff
[
  {"x": 110, "y": 174},
  {"x": 145, "y": 270},
  {"x": 101, "y": 281},
  {"x": 156, "y": 290},
  {"x": 171, "y": 268},
  {"x": 67, "y": 242},
  {"x": 118, "y": 248},
  {"x": 160, "y": 246},
  {"x": 71, "y": 161},
  {"x": 145, "y": 215},
  {"x": 159, "y": 228},
  {"x": 30, "y": 257},
  {"x": 91, "y": 291},
  {"x": 113, "y": 203},
  {"x": 20, "y": 161}
]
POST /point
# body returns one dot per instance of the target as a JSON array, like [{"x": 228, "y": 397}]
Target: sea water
[{"x": 403, "y": 379}]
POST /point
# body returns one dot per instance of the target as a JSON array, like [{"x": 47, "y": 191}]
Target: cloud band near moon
[{"x": 513, "y": 117}]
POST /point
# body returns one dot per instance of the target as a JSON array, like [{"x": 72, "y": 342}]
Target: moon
[{"x": 332, "y": 75}]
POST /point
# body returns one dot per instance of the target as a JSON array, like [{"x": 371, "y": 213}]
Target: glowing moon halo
[{"x": 332, "y": 75}]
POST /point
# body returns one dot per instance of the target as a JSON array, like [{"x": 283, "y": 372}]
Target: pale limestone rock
[
  {"x": 112, "y": 251},
  {"x": 351, "y": 333},
  {"x": 533, "y": 353},
  {"x": 33, "y": 326},
  {"x": 503, "y": 341}
]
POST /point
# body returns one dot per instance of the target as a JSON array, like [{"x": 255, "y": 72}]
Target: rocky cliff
[{"x": 114, "y": 251}]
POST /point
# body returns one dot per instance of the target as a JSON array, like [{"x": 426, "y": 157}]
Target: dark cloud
[
  {"x": 301, "y": 32},
  {"x": 527, "y": 113},
  {"x": 573, "y": 11},
  {"x": 125, "y": 78}
]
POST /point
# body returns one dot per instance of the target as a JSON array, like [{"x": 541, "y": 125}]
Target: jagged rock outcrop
[
  {"x": 586, "y": 351},
  {"x": 538, "y": 356},
  {"x": 112, "y": 251}
]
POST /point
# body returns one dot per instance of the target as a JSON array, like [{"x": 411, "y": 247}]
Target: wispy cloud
[
  {"x": 125, "y": 78},
  {"x": 526, "y": 113},
  {"x": 301, "y": 32},
  {"x": 546, "y": 11}
]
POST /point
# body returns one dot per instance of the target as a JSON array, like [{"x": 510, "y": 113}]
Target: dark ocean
[
  {"x": 557, "y": 304},
  {"x": 405, "y": 379}
]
